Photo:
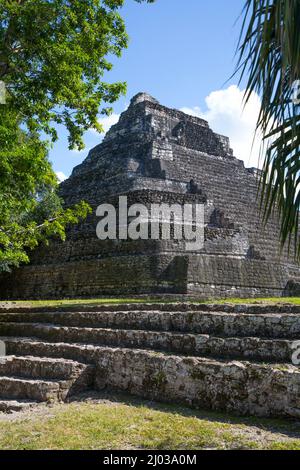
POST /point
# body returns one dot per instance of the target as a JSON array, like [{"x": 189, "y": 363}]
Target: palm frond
[{"x": 269, "y": 54}]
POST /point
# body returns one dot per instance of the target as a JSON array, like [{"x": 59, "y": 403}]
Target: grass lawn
[
  {"x": 266, "y": 300},
  {"x": 126, "y": 423},
  {"x": 73, "y": 302}
]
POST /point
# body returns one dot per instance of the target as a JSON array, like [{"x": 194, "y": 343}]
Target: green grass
[
  {"x": 69, "y": 302},
  {"x": 264, "y": 300},
  {"x": 74, "y": 302},
  {"x": 112, "y": 425}
]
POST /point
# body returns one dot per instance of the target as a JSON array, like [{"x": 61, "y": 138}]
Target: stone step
[
  {"x": 221, "y": 357},
  {"x": 38, "y": 348},
  {"x": 38, "y": 390},
  {"x": 44, "y": 368},
  {"x": 89, "y": 353},
  {"x": 275, "y": 350},
  {"x": 238, "y": 387},
  {"x": 242, "y": 387},
  {"x": 26, "y": 377},
  {"x": 219, "y": 323},
  {"x": 11, "y": 406},
  {"x": 164, "y": 307}
]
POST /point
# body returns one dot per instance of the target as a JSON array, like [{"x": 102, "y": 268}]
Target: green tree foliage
[
  {"x": 53, "y": 58},
  {"x": 30, "y": 209},
  {"x": 270, "y": 56},
  {"x": 53, "y": 55}
]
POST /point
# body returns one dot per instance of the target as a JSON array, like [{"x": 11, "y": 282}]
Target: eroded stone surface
[
  {"x": 160, "y": 155},
  {"x": 240, "y": 387},
  {"x": 182, "y": 353}
]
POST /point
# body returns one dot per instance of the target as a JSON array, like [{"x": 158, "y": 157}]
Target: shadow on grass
[{"x": 287, "y": 427}]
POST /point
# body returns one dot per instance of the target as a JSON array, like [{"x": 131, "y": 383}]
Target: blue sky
[{"x": 182, "y": 52}]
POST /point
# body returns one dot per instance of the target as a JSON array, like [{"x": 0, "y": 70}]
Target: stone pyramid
[{"x": 159, "y": 155}]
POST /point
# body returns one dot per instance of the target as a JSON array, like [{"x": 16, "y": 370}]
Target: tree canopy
[
  {"x": 30, "y": 208},
  {"x": 54, "y": 55}
]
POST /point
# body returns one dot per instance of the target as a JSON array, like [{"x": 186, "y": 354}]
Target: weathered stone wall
[
  {"x": 236, "y": 358},
  {"x": 151, "y": 155},
  {"x": 242, "y": 388}
]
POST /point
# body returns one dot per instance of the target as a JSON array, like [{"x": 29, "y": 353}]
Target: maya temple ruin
[
  {"x": 235, "y": 358},
  {"x": 159, "y": 155}
]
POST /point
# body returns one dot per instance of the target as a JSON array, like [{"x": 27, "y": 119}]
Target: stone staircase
[{"x": 221, "y": 357}]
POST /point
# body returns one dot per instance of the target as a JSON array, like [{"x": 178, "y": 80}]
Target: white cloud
[
  {"x": 61, "y": 176},
  {"x": 106, "y": 122},
  {"x": 227, "y": 115}
]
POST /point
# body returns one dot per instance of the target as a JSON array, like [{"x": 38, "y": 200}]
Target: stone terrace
[{"x": 221, "y": 357}]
